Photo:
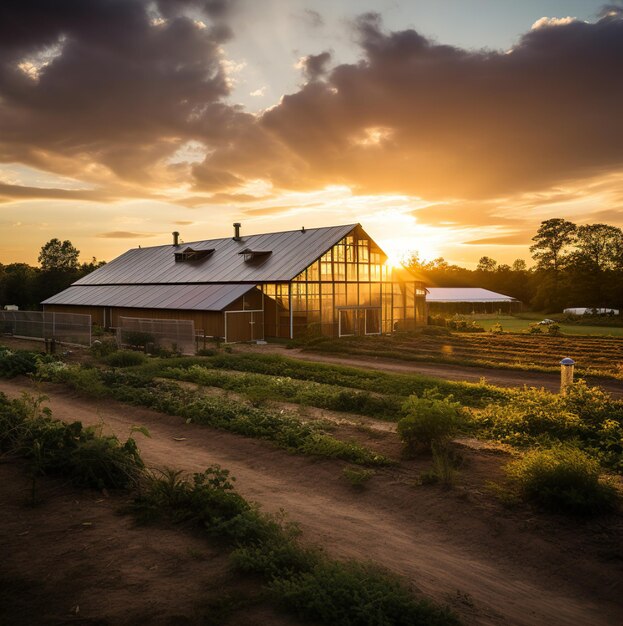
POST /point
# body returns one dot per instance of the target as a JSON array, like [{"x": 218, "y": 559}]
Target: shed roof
[
  {"x": 292, "y": 252},
  {"x": 187, "y": 297},
  {"x": 465, "y": 294}
]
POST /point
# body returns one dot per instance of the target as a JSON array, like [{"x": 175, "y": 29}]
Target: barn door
[{"x": 244, "y": 326}]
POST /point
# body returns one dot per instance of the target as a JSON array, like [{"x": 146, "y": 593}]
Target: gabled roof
[
  {"x": 187, "y": 297},
  {"x": 292, "y": 252},
  {"x": 465, "y": 294}
]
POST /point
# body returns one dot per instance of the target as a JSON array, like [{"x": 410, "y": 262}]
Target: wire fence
[
  {"x": 62, "y": 327},
  {"x": 152, "y": 334}
]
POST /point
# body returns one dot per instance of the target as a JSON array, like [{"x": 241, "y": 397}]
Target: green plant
[
  {"x": 103, "y": 347},
  {"x": 20, "y": 362},
  {"x": 125, "y": 358},
  {"x": 348, "y": 593},
  {"x": 428, "y": 420},
  {"x": 444, "y": 470},
  {"x": 357, "y": 476},
  {"x": 562, "y": 479},
  {"x": 554, "y": 330},
  {"x": 138, "y": 339},
  {"x": 496, "y": 329}
]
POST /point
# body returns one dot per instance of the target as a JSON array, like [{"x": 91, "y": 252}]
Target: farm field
[
  {"x": 595, "y": 356},
  {"x": 522, "y": 324},
  {"x": 434, "y": 537},
  {"x": 320, "y": 442}
]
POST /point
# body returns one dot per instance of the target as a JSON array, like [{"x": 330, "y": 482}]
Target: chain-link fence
[
  {"x": 150, "y": 334},
  {"x": 63, "y": 327}
]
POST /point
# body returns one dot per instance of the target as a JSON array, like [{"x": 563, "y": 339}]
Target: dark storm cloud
[
  {"x": 90, "y": 88},
  {"x": 438, "y": 121},
  {"x": 119, "y": 87},
  {"x": 314, "y": 66}
]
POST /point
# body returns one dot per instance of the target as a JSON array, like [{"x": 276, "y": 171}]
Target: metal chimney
[
  {"x": 236, "y": 231},
  {"x": 176, "y": 238}
]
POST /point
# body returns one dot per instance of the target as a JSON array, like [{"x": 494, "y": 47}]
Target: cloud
[
  {"x": 314, "y": 66},
  {"x": 518, "y": 239},
  {"x": 123, "y": 234},
  {"x": 113, "y": 91},
  {"x": 120, "y": 91},
  {"x": 458, "y": 123}
]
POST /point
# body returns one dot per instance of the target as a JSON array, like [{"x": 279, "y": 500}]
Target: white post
[{"x": 566, "y": 374}]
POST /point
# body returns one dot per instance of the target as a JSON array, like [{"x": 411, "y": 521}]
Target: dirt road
[{"x": 492, "y": 566}]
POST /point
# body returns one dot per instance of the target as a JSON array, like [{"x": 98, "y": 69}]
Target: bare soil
[
  {"x": 71, "y": 559},
  {"x": 492, "y": 564}
]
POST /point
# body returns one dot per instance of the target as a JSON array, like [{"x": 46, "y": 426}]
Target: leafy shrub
[
  {"x": 357, "y": 476},
  {"x": 103, "y": 347},
  {"x": 554, "y": 330},
  {"x": 535, "y": 329},
  {"x": 138, "y": 339},
  {"x": 586, "y": 416},
  {"x": 562, "y": 479},
  {"x": 125, "y": 358},
  {"x": 496, "y": 329},
  {"x": 85, "y": 455},
  {"x": 19, "y": 362},
  {"x": 429, "y": 420},
  {"x": 354, "y": 594}
]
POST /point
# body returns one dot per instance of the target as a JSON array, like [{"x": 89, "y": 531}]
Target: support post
[{"x": 566, "y": 374}]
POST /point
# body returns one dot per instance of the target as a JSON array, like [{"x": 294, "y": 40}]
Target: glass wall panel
[
  {"x": 340, "y": 294},
  {"x": 364, "y": 294},
  {"x": 351, "y": 294},
  {"x": 313, "y": 271},
  {"x": 351, "y": 272},
  {"x": 373, "y": 321}
]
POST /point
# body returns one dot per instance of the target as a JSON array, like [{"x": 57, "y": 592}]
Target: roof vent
[
  {"x": 236, "y": 231},
  {"x": 253, "y": 255},
  {"x": 190, "y": 254},
  {"x": 303, "y": 229},
  {"x": 176, "y": 238}
]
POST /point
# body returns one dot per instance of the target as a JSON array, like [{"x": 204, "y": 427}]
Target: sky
[{"x": 445, "y": 127}]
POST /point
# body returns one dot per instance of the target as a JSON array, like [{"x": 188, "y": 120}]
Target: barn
[
  {"x": 332, "y": 281},
  {"x": 468, "y": 300}
]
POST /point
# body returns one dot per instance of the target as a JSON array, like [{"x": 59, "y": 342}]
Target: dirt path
[
  {"x": 502, "y": 378},
  {"x": 495, "y": 568}
]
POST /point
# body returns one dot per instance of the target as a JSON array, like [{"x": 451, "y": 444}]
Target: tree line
[
  {"x": 575, "y": 266},
  {"x": 26, "y": 286}
]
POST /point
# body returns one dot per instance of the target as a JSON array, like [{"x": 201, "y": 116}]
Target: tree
[
  {"x": 519, "y": 265},
  {"x": 550, "y": 251},
  {"x": 551, "y": 242},
  {"x": 57, "y": 256},
  {"x": 486, "y": 264}
]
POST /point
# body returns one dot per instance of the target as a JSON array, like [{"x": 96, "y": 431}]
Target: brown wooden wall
[{"x": 210, "y": 322}]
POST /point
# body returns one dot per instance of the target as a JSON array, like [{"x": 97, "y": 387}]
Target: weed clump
[
  {"x": 347, "y": 593},
  {"x": 429, "y": 420},
  {"x": 125, "y": 358},
  {"x": 561, "y": 479}
]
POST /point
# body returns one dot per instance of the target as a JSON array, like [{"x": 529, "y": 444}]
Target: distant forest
[
  {"x": 26, "y": 286},
  {"x": 574, "y": 266}
]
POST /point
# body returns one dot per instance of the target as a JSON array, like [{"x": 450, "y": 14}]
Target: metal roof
[
  {"x": 465, "y": 294},
  {"x": 292, "y": 252},
  {"x": 187, "y": 297}
]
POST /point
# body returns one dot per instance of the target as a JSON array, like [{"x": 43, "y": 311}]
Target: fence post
[{"x": 566, "y": 374}]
